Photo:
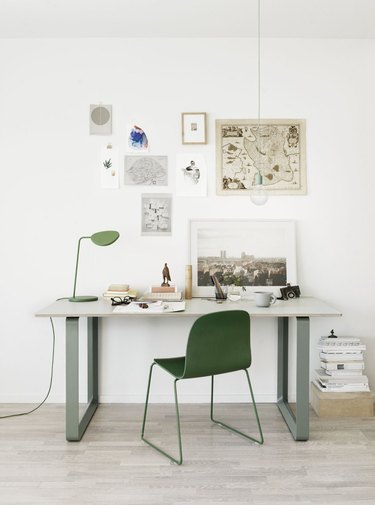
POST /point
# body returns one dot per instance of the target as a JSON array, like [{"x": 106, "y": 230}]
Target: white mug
[{"x": 264, "y": 298}]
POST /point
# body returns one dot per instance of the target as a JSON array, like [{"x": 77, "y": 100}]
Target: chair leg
[
  {"x": 230, "y": 428},
  {"x": 174, "y": 460}
]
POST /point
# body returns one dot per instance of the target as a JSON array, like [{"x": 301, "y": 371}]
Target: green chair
[{"x": 218, "y": 343}]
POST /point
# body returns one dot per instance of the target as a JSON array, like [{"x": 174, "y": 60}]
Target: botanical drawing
[{"x": 275, "y": 149}]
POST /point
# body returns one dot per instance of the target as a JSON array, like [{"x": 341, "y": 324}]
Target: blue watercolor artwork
[{"x": 138, "y": 139}]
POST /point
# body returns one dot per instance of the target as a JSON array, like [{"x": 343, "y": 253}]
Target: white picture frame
[{"x": 255, "y": 254}]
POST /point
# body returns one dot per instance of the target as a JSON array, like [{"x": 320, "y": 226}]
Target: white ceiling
[{"x": 186, "y": 18}]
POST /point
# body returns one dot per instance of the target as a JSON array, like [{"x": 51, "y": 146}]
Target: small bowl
[{"x": 234, "y": 298}]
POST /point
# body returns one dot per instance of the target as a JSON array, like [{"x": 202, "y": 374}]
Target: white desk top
[{"x": 298, "y": 307}]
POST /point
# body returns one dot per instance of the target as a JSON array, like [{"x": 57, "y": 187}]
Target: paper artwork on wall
[
  {"x": 191, "y": 175},
  {"x": 156, "y": 214},
  {"x": 100, "y": 119},
  {"x": 137, "y": 139},
  {"x": 109, "y": 167},
  {"x": 273, "y": 148},
  {"x": 146, "y": 170}
]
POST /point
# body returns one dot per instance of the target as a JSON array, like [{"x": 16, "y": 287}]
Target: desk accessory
[
  {"x": 166, "y": 276},
  {"x": 102, "y": 238},
  {"x": 264, "y": 298},
  {"x": 188, "y": 282},
  {"x": 289, "y": 292}
]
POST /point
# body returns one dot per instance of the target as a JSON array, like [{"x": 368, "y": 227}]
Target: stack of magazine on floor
[{"x": 342, "y": 365}]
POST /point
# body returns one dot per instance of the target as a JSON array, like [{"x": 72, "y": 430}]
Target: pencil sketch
[
  {"x": 273, "y": 148},
  {"x": 146, "y": 170},
  {"x": 156, "y": 214},
  {"x": 191, "y": 175}
]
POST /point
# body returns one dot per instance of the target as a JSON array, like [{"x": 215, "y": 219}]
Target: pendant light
[{"x": 258, "y": 193}]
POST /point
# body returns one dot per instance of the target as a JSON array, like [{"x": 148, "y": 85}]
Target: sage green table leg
[
  {"x": 298, "y": 423},
  {"x": 75, "y": 427}
]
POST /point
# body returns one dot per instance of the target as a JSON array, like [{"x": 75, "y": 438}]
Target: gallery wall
[{"x": 50, "y": 193}]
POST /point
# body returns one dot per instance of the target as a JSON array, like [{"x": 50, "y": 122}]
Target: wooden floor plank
[{"x": 112, "y": 466}]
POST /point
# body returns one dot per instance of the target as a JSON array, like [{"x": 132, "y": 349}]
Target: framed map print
[{"x": 273, "y": 148}]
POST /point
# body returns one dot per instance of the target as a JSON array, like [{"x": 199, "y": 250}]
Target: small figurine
[{"x": 166, "y": 275}]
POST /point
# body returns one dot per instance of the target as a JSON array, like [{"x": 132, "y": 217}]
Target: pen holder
[{"x": 222, "y": 293}]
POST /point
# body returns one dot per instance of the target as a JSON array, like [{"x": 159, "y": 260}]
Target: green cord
[{"x": 50, "y": 382}]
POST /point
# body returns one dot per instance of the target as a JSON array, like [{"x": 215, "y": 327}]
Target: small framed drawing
[
  {"x": 272, "y": 148},
  {"x": 194, "y": 128},
  {"x": 157, "y": 214},
  {"x": 255, "y": 254}
]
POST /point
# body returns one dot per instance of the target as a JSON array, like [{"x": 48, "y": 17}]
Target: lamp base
[{"x": 83, "y": 299}]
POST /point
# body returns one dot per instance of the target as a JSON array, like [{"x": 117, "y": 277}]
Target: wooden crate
[{"x": 342, "y": 404}]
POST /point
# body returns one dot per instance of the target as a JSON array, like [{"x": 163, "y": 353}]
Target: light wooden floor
[{"x": 112, "y": 466}]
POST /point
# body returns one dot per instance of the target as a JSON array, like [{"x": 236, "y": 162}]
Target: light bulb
[{"x": 258, "y": 194}]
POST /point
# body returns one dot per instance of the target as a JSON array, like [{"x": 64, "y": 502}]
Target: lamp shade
[{"x": 102, "y": 238}]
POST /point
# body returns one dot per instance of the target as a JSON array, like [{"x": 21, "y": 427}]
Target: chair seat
[{"x": 174, "y": 366}]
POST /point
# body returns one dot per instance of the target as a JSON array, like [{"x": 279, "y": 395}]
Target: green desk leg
[
  {"x": 298, "y": 423},
  {"x": 75, "y": 427}
]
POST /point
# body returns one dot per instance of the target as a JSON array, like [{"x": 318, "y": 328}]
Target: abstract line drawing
[
  {"x": 191, "y": 175},
  {"x": 146, "y": 170},
  {"x": 156, "y": 214}
]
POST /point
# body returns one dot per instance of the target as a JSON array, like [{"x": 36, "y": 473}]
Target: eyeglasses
[{"x": 117, "y": 300}]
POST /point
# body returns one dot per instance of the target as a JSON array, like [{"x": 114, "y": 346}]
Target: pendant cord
[{"x": 259, "y": 98}]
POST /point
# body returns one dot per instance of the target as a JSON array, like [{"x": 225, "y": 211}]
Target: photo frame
[
  {"x": 255, "y": 254},
  {"x": 156, "y": 214},
  {"x": 272, "y": 148},
  {"x": 194, "y": 128}
]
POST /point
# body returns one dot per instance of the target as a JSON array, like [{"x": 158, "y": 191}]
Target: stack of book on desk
[
  {"x": 164, "y": 293},
  {"x": 121, "y": 290},
  {"x": 342, "y": 365}
]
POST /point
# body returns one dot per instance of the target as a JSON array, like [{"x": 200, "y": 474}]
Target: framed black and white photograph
[
  {"x": 156, "y": 214},
  {"x": 194, "y": 128},
  {"x": 272, "y": 148},
  {"x": 255, "y": 254},
  {"x": 145, "y": 170}
]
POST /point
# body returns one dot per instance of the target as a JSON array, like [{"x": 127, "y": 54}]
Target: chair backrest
[{"x": 218, "y": 343}]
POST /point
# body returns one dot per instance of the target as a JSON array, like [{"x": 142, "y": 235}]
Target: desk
[{"x": 300, "y": 308}]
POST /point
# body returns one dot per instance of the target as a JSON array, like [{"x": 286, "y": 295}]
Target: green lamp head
[{"x": 102, "y": 238}]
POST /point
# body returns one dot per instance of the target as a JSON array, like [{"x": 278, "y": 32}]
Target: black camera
[{"x": 290, "y": 292}]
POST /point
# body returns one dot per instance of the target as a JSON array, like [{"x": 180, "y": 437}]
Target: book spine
[{"x": 163, "y": 289}]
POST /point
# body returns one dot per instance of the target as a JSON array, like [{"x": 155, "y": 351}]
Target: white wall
[{"x": 50, "y": 192}]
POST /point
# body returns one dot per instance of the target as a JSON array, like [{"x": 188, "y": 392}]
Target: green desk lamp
[{"x": 101, "y": 238}]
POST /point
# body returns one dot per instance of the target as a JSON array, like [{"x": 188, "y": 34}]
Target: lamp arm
[{"x": 75, "y": 276}]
